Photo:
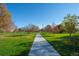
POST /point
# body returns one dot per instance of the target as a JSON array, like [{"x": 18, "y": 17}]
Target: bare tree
[
  {"x": 47, "y": 28},
  {"x": 30, "y": 28}
]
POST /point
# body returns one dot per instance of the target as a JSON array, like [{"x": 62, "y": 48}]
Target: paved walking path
[{"x": 41, "y": 47}]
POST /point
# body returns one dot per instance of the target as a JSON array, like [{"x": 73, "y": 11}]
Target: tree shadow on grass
[
  {"x": 15, "y": 35},
  {"x": 67, "y": 47}
]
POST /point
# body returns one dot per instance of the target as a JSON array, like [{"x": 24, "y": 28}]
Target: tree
[
  {"x": 57, "y": 29},
  {"x": 70, "y": 23},
  {"x": 47, "y": 28},
  {"x": 6, "y": 23}
]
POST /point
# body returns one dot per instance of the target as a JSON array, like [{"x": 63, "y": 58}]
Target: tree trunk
[{"x": 70, "y": 35}]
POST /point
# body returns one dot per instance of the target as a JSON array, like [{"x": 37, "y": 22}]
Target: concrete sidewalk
[{"x": 41, "y": 47}]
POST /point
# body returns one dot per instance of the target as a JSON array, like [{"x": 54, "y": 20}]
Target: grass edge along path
[{"x": 64, "y": 47}]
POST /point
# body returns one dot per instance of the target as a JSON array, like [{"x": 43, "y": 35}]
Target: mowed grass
[
  {"x": 15, "y": 44},
  {"x": 62, "y": 43}
]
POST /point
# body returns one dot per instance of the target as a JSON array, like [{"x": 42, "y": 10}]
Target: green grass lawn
[
  {"x": 13, "y": 44},
  {"x": 62, "y": 43}
]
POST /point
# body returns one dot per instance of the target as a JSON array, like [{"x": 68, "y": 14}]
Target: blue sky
[{"x": 40, "y": 13}]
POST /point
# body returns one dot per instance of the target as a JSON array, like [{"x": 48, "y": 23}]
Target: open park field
[
  {"x": 20, "y": 43},
  {"x": 13, "y": 44}
]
